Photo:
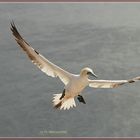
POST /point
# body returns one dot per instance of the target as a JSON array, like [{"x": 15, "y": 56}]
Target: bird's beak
[{"x": 93, "y": 74}]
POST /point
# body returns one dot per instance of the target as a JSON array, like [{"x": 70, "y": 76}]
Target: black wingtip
[
  {"x": 12, "y": 25},
  {"x": 15, "y": 31}
]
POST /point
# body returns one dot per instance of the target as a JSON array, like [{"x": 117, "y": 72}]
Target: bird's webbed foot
[
  {"x": 81, "y": 99},
  {"x": 63, "y": 94}
]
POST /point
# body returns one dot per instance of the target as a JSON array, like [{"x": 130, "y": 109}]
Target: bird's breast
[{"x": 77, "y": 85}]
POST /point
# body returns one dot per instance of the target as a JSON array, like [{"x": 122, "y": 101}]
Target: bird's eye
[{"x": 88, "y": 73}]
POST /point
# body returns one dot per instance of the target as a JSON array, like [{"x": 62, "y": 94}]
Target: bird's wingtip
[{"x": 12, "y": 24}]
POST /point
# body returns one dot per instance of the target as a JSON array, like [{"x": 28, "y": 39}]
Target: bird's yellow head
[{"x": 87, "y": 72}]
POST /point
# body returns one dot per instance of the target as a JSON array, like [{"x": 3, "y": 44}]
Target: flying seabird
[{"x": 73, "y": 84}]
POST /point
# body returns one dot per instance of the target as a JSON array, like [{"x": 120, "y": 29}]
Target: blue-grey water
[{"x": 102, "y": 36}]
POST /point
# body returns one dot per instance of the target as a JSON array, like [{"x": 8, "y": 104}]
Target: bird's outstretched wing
[
  {"x": 40, "y": 61},
  {"x": 110, "y": 83}
]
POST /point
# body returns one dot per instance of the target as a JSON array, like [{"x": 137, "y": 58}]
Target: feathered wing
[
  {"x": 110, "y": 83},
  {"x": 40, "y": 61}
]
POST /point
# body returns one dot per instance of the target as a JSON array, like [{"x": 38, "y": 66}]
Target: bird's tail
[{"x": 63, "y": 103}]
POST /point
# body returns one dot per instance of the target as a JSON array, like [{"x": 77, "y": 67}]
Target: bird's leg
[
  {"x": 81, "y": 99},
  {"x": 63, "y": 94}
]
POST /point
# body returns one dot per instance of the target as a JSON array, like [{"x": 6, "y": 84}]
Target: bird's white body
[
  {"x": 74, "y": 84},
  {"x": 74, "y": 88}
]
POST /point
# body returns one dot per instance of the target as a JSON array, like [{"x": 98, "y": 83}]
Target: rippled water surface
[{"x": 105, "y": 37}]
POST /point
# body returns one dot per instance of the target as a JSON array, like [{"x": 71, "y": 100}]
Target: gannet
[{"x": 73, "y": 84}]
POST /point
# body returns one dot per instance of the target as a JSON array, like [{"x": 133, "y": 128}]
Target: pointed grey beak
[{"x": 92, "y": 74}]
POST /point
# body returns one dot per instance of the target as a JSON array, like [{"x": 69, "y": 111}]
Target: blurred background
[{"x": 102, "y": 36}]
